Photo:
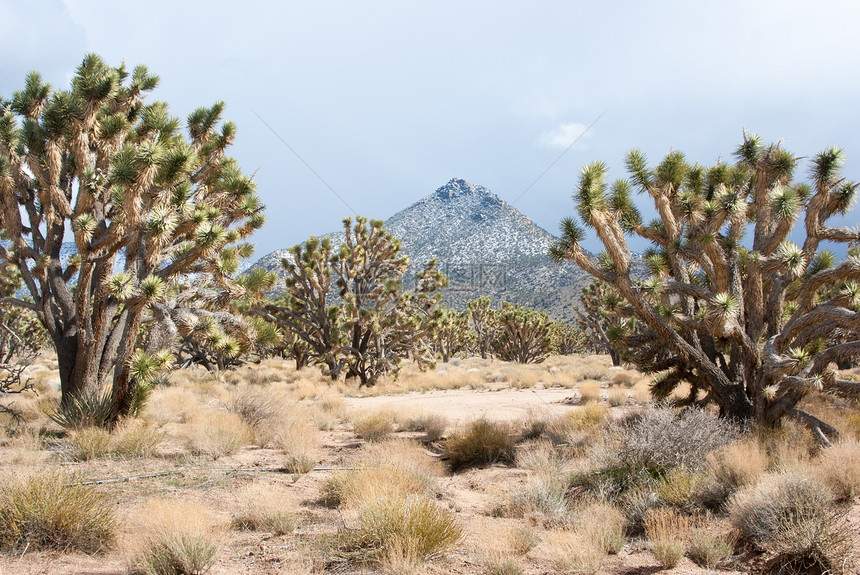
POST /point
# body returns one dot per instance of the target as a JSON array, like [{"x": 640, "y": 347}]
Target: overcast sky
[{"x": 386, "y": 101}]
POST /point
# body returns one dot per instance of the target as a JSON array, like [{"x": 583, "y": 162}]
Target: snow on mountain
[{"x": 483, "y": 244}]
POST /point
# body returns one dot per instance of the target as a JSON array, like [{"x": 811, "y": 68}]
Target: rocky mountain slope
[{"x": 484, "y": 245}]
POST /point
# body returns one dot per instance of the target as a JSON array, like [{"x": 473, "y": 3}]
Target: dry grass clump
[
  {"x": 39, "y": 511},
  {"x": 500, "y": 564},
  {"x": 617, "y": 397},
  {"x": 297, "y": 437},
  {"x": 374, "y": 426},
  {"x": 589, "y": 392},
  {"x": 480, "y": 442},
  {"x": 264, "y": 508},
  {"x": 625, "y": 378},
  {"x": 587, "y": 418},
  {"x": 173, "y": 405},
  {"x": 573, "y": 553},
  {"x": 681, "y": 487},
  {"x": 604, "y": 525},
  {"x": 667, "y": 531},
  {"x": 217, "y": 434},
  {"x": 710, "y": 549},
  {"x": 257, "y": 406},
  {"x": 521, "y": 539},
  {"x": 89, "y": 443},
  {"x": 738, "y": 464},
  {"x": 411, "y": 526},
  {"x": 135, "y": 438},
  {"x": 399, "y": 467},
  {"x": 793, "y": 517},
  {"x": 177, "y": 538},
  {"x": 433, "y": 425},
  {"x": 839, "y": 468}
]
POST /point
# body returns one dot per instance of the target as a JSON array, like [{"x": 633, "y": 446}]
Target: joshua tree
[
  {"x": 596, "y": 320},
  {"x": 568, "y": 339},
  {"x": 752, "y": 322},
  {"x": 524, "y": 335},
  {"x": 143, "y": 203},
  {"x": 485, "y": 323},
  {"x": 451, "y": 332},
  {"x": 375, "y": 324}
]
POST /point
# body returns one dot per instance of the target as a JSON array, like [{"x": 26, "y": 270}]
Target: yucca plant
[
  {"x": 750, "y": 320},
  {"x": 119, "y": 174}
]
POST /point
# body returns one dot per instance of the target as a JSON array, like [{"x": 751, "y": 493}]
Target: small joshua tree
[
  {"x": 485, "y": 323},
  {"x": 596, "y": 321},
  {"x": 451, "y": 332},
  {"x": 97, "y": 165},
  {"x": 524, "y": 335},
  {"x": 375, "y": 323},
  {"x": 750, "y": 319}
]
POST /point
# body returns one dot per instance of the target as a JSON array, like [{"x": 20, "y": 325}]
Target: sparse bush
[
  {"x": 521, "y": 539},
  {"x": 573, "y": 553},
  {"x": 667, "y": 531},
  {"x": 794, "y": 517},
  {"x": 498, "y": 564},
  {"x": 681, "y": 487},
  {"x": 374, "y": 426},
  {"x": 135, "y": 438},
  {"x": 89, "y": 443},
  {"x": 840, "y": 469},
  {"x": 264, "y": 508},
  {"x": 617, "y": 397},
  {"x": 604, "y": 525},
  {"x": 178, "y": 539},
  {"x": 256, "y": 406},
  {"x": 541, "y": 499},
  {"x": 589, "y": 393},
  {"x": 433, "y": 425},
  {"x": 412, "y": 522},
  {"x": 738, "y": 464},
  {"x": 217, "y": 435},
  {"x": 40, "y": 511},
  {"x": 709, "y": 549},
  {"x": 658, "y": 438},
  {"x": 481, "y": 442}
]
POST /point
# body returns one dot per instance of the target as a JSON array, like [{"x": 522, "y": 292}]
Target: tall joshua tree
[
  {"x": 97, "y": 165},
  {"x": 753, "y": 324}
]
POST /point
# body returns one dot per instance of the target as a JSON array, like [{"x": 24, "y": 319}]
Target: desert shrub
[
  {"x": 499, "y": 564},
  {"x": 40, "y": 511},
  {"x": 217, "y": 435},
  {"x": 793, "y": 517},
  {"x": 589, "y": 417},
  {"x": 413, "y": 522},
  {"x": 589, "y": 392},
  {"x": 390, "y": 468},
  {"x": 573, "y": 553},
  {"x": 839, "y": 467},
  {"x": 135, "y": 438},
  {"x": 667, "y": 531},
  {"x": 738, "y": 464},
  {"x": 374, "y": 426},
  {"x": 433, "y": 425},
  {"x": 298, "y": 438},
  {"x": 709, "y": 549},
  {"x": 541, "y": 499},
  {"x": 658, "y": 438},
  {"x": 625, "y": 378},
  {"x": 264, "y": 508},
  {"x": 604, "y": 525},
  {"x": 481, "y": 442},
  {"x": 617, "y": 397},
  {"x": 89, "y": 443},
  {"x": 178, "y": 539},
  {"x": 256, "y": 405},
  {"x": 521, "y": 539},
  {"x": 681, "y": 487}
]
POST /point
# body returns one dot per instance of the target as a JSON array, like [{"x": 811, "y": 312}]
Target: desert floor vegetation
[{"x": 478, "y": 467}]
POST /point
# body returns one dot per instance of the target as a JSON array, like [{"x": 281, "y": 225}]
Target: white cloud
[{"x": 562, "y": 136}]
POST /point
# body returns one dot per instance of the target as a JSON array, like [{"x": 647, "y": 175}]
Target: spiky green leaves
[
  {"x": 673, "y": 170},
  {"x": 161, "y": 223},
  {"x": 86, "y": 225},
  {"x": 28, "y": 102},
  {"x": 722, "y": 308},
  {"x": 121, "y": 286},
  {"x": 825, "y": 167},
  {"x": 623, "y": 206},
  {"x": 591, "y": 192},
  {"x": 791, "y": 258},
  {"x": 94, "y": 80},
  {"x": 152, "y": 288},
  {"x": 785, "y": 202}
]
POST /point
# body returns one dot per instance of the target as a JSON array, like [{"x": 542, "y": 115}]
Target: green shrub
[
  {"x": 42, "y": 512},
  {"x": 482, "y": 442}
]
